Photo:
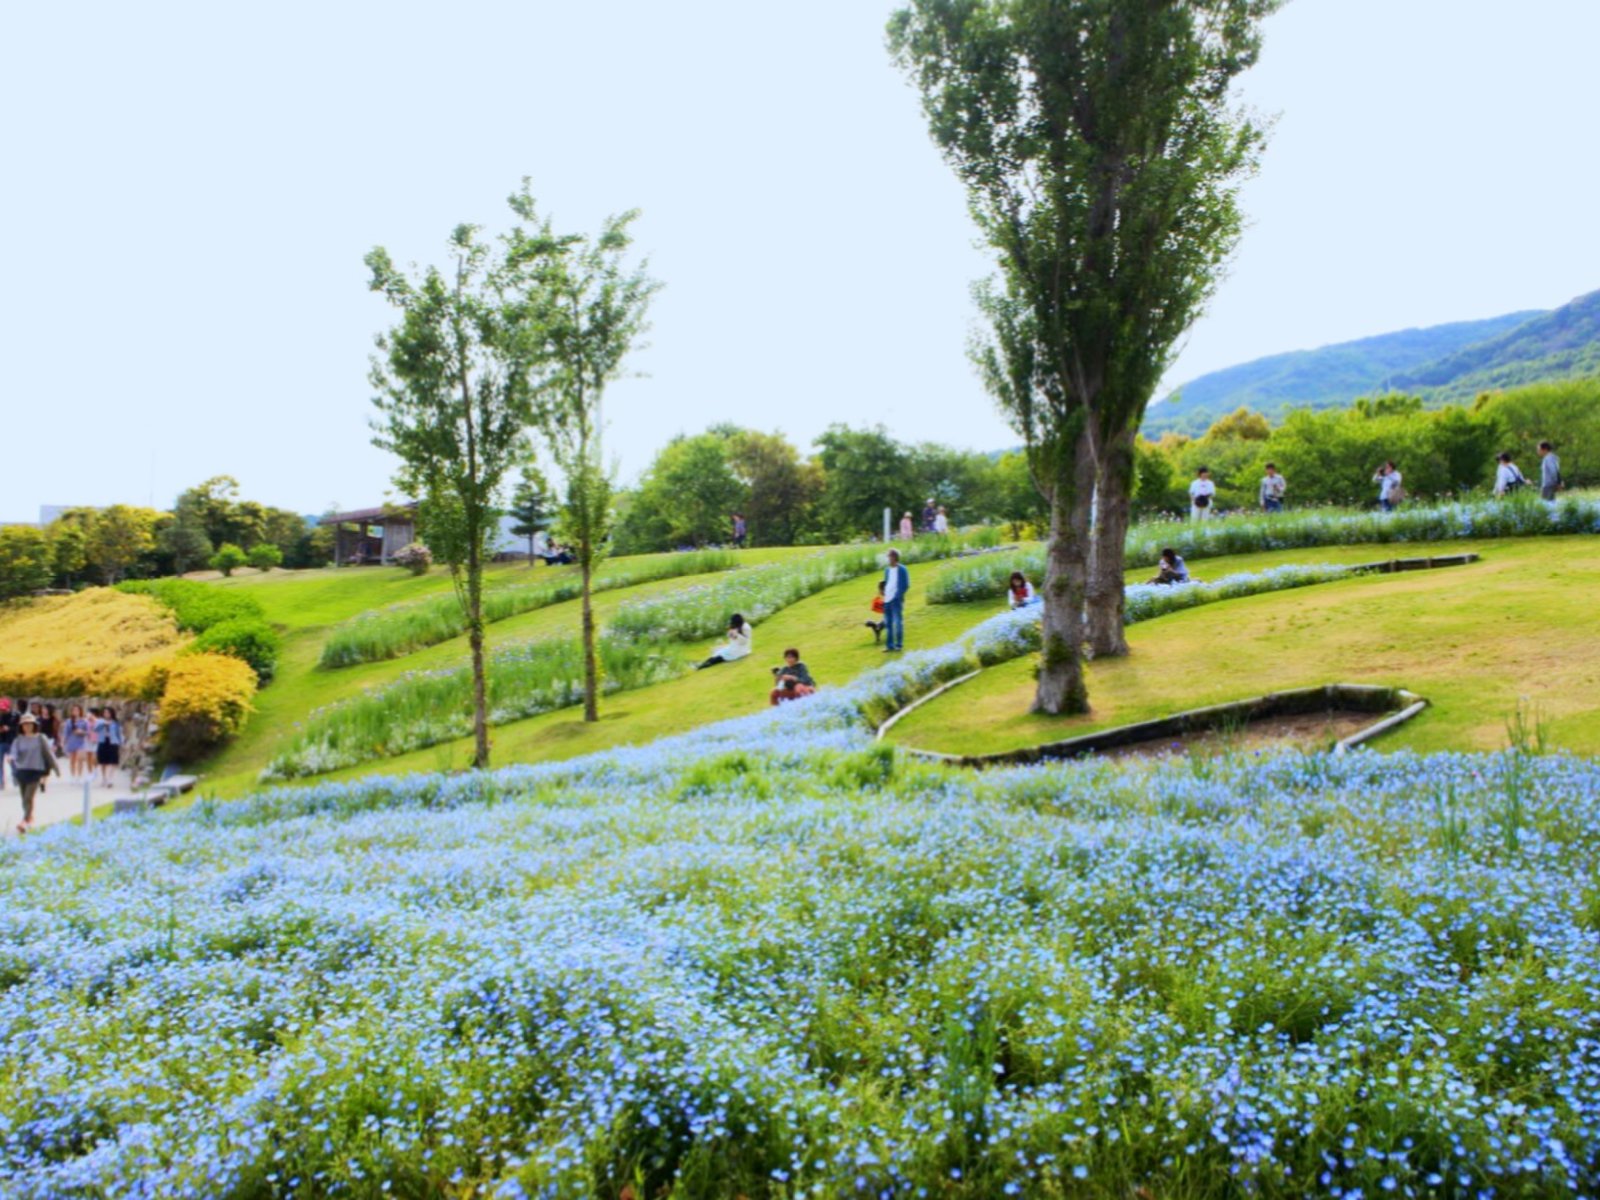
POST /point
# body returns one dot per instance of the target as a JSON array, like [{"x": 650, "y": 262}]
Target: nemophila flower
[{"x": 771, "y": 953}]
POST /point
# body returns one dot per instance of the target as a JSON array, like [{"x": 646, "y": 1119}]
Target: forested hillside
[{"x": 1444, "y": 364}]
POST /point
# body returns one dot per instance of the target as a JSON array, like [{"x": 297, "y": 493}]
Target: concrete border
[{"x": 1399, "y": 704}]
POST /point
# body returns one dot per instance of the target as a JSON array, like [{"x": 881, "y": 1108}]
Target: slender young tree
[
  {"x": 456, "y": 392},
  {"x": 586, "y": 310},
  {"x": 530, "y": 506},
  {"x": 1102, "y": 157}
]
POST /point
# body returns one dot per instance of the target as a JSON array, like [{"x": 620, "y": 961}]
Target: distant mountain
[{"x": 1444, "y": 364}]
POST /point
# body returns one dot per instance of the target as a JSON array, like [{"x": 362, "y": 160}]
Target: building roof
[{"x": 373, "y": 516}]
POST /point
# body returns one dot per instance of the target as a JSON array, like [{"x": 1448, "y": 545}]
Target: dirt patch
[{"x": 1302, "y": 731}]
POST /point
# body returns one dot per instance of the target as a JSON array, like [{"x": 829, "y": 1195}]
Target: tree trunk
[
  {"x": 1062, "y": 690},
  {"x": 591, "y": 665},
  {"x": 480, "y": 689},
  {"x": 1113, "y": 509}
]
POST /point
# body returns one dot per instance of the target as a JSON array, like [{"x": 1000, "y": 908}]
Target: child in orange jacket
[{"x": 877, "y": 609}]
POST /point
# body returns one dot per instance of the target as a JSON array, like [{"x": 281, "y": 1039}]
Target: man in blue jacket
[{"x": 896, "y": 583}]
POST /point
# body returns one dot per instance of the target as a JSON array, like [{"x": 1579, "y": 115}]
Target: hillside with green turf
[{"x": 707, "y": 947}]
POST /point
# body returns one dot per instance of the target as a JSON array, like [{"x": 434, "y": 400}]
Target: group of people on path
[
  {"x": 1508, "y": 479},
  {"x": 34, "y": 737},
  {"x": 935, "y": 519}
]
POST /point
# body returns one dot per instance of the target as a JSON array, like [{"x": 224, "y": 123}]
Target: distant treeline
[{"x": 1329, "y": 456}]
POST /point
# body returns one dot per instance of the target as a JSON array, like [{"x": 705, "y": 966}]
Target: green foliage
[
  {"x": 185, "y": 539},
  {"x": 866, "y": 470},
  {"x": 685, "y": 498},
  {"x": 532, "y": 506},
  {"x": 264, "y": 556},
  {"x": 228, "y": 558},
  {"x": 197, "y": 606},
  {"x": 782, "y": 490},
  {"x": 394, "y": 632},
  {"x": 423, "y": 709},
  {"x": 249, "y": 639},
  {"x": 117, "y": 537},
  {"x": 27, "y": 561}
]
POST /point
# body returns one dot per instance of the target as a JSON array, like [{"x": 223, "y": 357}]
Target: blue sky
[{"x": 190, "y": 189}]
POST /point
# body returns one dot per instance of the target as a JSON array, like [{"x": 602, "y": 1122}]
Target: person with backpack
[
  {"x": 896, "y": 583},
  {"x": 1549, "y": 472},
  {"x": 1508, "y": 479},
  {"x": 1202, "y": 492}
]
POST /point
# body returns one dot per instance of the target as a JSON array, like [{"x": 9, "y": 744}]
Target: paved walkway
[{"x": 61, "y": 801}]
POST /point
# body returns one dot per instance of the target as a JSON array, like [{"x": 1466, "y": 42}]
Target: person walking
[
  {"x": 1201, "y": 494},
  {"x": 941, "y": 522},
  {"x": 740, "y": 530},
  {"x": 1508, "y": 477},
  {"x": 1549, "y": 472},
  {"x": 929, "y": 511},
  {"x": 31, "y": 760},
  {"x": 1391, "y": 486},
  {"x": 907, "y": 529},
  {"x": 8, "y": 734},
  {"x": 108, "y": 749},
  {"x": 1273, "y": 486},
  {"x": 896, "y": 583},
  {"x": 74, "y": 735}
]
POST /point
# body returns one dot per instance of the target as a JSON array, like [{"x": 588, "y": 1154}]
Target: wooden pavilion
[{"x": 371, "y": 535}]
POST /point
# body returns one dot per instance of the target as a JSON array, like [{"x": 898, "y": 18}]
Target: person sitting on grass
[
  {"x": 792, "y": 680},
  {"x": 1172, "y": 569},
  {"x": 877, "y": 611},
  {"x": 736, "y": 647},
  {"x": 1020, "y": 592}
]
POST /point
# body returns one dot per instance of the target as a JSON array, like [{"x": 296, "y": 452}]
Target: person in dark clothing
[
  {"x": 31, "y": 760},
  {"x": 793, "y": 680},
  {"x": 8, "y": 734}
]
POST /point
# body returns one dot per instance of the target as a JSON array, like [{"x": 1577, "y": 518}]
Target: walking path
[{"x": 61, "y": 801}]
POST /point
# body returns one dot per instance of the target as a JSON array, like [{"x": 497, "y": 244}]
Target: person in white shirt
[
  {"x": 1391, "y": 488},
  {"x": 941, "y": 523},
  {"x": 1020, "y": 591},
  {"x": 1507, "y": 477},
  {"x": 1202, "y": 493},
  {"x": 1273, "y": 487},
  {"x": 736, "y": 647}
]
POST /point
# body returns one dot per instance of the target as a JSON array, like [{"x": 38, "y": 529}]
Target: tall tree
[
  {"x": 455, "y": 384},
  {"x": 531, "y": 506},
  {"x": 782, "y": 489},
  {"x": 866, "y": 471},
  {"x": 185, "y": 539},
  {"x": 1102, "y": 157},
  {"x": 585, "y": 310},
  {"x": 118, "y": 536}
]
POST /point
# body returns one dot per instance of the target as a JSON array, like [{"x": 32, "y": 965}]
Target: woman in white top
[
  {"x": 1201, "y": 494},
  {"x": 1020, "y": 592},
  {"x": 1391, "y": 487},
  {"x": 941, "y": 523},
  {"x": 736, "y": 647},
  {"x": 1507, "y": 478}
]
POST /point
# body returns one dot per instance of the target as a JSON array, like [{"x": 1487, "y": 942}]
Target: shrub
[
  {"x": 26, "y": 561},
  {"x": 264, "y": 556},
  {"x": 206, "y": 701},
  {"x": 227, "y": 558},
  {"x": 415, "y": 558},
  {"x": 98, "y": 642},
  {"x": 248, "y": 639},
  {"x": 197, "y": 606}
]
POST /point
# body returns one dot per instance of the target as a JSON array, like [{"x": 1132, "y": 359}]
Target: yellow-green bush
[
  {"x": 206, "y": 701},
  {"x": 100, "y": 642}
]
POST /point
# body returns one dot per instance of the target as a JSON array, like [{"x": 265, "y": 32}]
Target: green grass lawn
[
  {"x": 1474, "y": 640},
  {"x": 307, "y": 605}
]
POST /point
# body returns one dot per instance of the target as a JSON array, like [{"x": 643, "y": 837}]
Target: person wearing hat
[
  {"x": 930, "y": 510},
  {"x": 31, "y": 760},
  {"x": 8, "y": 733}
]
